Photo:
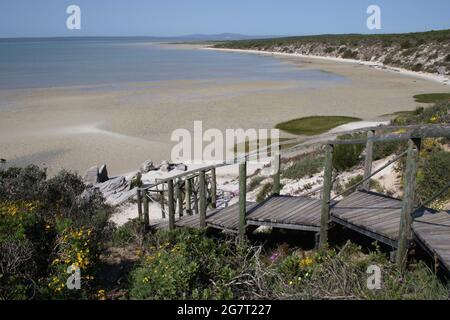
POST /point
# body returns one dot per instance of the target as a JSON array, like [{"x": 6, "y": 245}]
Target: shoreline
[
  {"x": 376, "y": 65},
  {"x": 75, "y": 127}
]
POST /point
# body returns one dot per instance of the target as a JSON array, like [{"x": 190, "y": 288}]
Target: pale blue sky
[{"x": 42, "y": 18}]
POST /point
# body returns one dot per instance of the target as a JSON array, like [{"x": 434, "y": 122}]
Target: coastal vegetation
[
  {"x": 314, "y": 125},
  {"x": 431, "y": 97},
  {"x": 49, "y": 225},
  {"x": 421, "y": 51}
]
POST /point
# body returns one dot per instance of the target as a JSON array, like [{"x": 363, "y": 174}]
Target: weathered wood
[
  {"x": 242, "y": 198},
  {"x": 180, "y": 198},
  {"x": 276, "y": 162},
  {"x": 195, "y": 196},
  {"x": 213, "y": 188},
  {"x": 171, "y": 205},
  {"x": 161, "y": 202},
  {"x": 326, "y": 195},
  {"x": 202, "y": 196},
  {"x": 368, "y": 159},
  {"x": 409, "y": 187},
  {"x": 188, "y": 184},
  {"x": 146, "y": 210},
  {"x": 139, "y": 203}
]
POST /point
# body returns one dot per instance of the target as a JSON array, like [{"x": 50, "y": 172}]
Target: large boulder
[
  {"x": 103, "y": 174},
  {"x": 181, "y": 167},
  {"x": 147, "y": 166},
  {"x": 113, "y": 185},
  {"x": 91, "y": 176},
  {"x": 165, "y": 166}
]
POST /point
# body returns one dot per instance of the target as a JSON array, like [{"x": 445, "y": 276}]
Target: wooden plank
[
  {"x": 202, "y": 200},
  {"x": 326, "y": 195},
  {"x": 171, "y": 205},
  {"x": 139, "y": 203},
  {"x": 405, "y": 232},
  {"x": 213, "y": 188},
  {"x": 368, "y": 159},
  {"x": 284, "y": 225},
  {"x": 242, "y": 198}
]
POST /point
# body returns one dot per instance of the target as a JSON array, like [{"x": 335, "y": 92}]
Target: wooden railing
[{"x": 200, "y": 187}]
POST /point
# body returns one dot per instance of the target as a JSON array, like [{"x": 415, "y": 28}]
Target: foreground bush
[
  {"x": 47, "y": 226},
  {"x": 186, "y": 264}
]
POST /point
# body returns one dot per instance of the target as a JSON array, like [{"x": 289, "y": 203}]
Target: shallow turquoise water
[{"x": 47, "y": 63}]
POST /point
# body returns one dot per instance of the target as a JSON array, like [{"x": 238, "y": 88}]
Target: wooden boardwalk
[
  {"x": 286, "y": 212},
  {"x": 432, "y": 232},
  {"x": 388, "y": 220},
  {"x": 372, "y": 214}
]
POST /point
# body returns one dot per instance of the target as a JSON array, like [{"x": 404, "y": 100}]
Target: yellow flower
[
  {"x": 306, "y": 262},
  {"x": 101, "y": 294},
  {"x": 433, "y": 119}
]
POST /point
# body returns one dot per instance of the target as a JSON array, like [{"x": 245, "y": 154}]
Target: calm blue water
[{"x": 68, "y": 62}]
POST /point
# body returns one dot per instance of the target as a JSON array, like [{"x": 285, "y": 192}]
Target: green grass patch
[
  {"x": 431, "y": 97},
  {"x": 313, "y": 125}
]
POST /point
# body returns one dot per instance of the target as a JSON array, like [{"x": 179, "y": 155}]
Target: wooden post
[
  {"x": 180, "y": 198},
  {"x": 139, "y": 203},
  {"x": 171, "y": 205},
  {"x": 146, "y": 210},
  {"x": 368, "y": 160},
  {"x": 195, "y": 195},
  {"x": 161, "y": 201},
  {"x": 326, "y": 195},
  {"x": 242, "y": 198},
  {"x": 409, "y": 188},
  {"x": 202, "y": 182},
  {"x": 188, "y": 185},
  {"x": 276, "y": 162},
  {"x": 213, "y": 188}
]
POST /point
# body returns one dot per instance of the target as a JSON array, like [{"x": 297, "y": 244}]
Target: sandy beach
[{"x": 77, "y": 127}]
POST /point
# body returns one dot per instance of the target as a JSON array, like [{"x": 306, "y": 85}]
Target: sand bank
[{"x": 77, "y": 127}]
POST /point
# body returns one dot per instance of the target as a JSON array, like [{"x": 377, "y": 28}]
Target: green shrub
[
  {"x": 50, "y": 224},
  {"x": 438, "y": 113},
  {"x": 350, "y": 54},
  {"x": 347, "y": 156},
  {"x": 405, "y": 44},
  {"x": 373, "y": 184},
  {"x": 305, "y": 167},
  {"x": 254, "y": 183},
  {"x": 265, "y": 191},
  {"x": 433, "y": 175},
  {"x": 185, "y": 264}
]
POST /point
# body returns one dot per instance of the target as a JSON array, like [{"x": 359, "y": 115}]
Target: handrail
[
  {"x": 370, "y": 176},
  {"x": 417, "y": 131}
]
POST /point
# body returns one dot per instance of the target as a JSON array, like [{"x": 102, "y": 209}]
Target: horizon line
[{"x": 216, "y": 34}]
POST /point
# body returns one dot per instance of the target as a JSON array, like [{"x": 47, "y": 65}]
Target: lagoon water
[{"x": 44, "y": 63}]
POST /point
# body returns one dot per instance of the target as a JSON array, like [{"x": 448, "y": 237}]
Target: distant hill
[{"x": 419, "y": 51}]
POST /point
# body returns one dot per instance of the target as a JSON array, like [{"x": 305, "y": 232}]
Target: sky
[{"x": 47, "y": 18}]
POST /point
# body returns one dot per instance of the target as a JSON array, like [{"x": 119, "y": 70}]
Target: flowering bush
[
  {"x": 188, "y": 265},
  {"x": 46, "y": 227}
]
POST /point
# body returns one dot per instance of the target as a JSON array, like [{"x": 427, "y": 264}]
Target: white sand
[{"x": 74, "y": 128}]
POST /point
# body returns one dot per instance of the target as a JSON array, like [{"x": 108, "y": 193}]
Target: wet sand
[{"x": 77, "y": 127}]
